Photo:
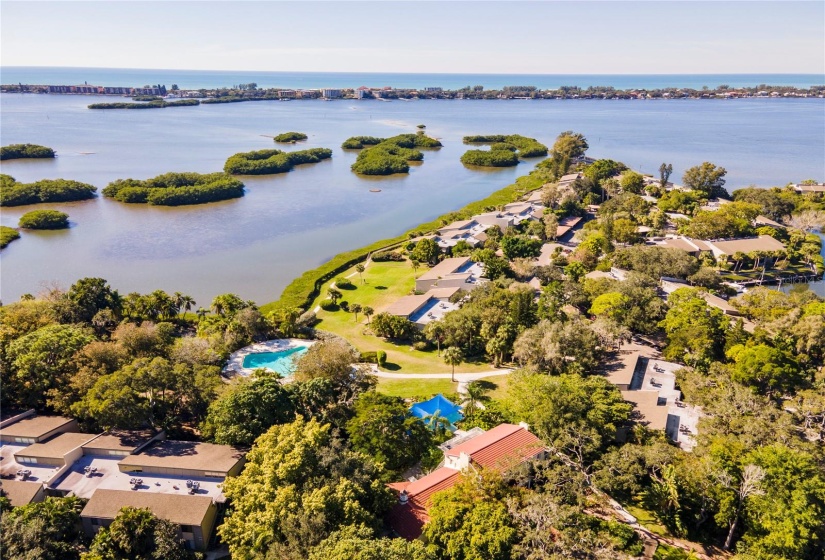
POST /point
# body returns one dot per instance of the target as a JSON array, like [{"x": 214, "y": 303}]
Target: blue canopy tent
[{"x": 445, "y": 409}]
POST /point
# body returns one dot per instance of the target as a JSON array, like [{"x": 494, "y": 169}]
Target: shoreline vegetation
[
  {"x": 270, "y": 162},
  {"x": 157, "y": 104},
  {"x": 26, "y": 151},
  {"x": 250, "y": 92},
  {"x": 387, "y": 156},
  {"x": 290, "y": 137},
  {"x": 7, "y": 235},
  {"x": 44, "y": 219},
  {"x": 176, "y": 189},
  {"x": 13, "y": 193},
  {"x": 505, "y": 151}
]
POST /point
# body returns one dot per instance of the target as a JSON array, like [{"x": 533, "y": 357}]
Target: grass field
[
  {"x": 383, "y": 283},
  {"x": 409, "y": 388},
  {"x": 647, "y": 519}
]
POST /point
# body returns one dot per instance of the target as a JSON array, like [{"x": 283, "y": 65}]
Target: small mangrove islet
[
  {"x": 269, "y": 162},
  {"x": 287, "y": 137},
  {"x": 44, "y": 219},
  {"x": 176, "y": 189},
  {"x": 26, "y": 151},
  {"x": 386, "y": 156},
  {"x": 505, "y": 150},
  {"x": 13, "y": 193}
]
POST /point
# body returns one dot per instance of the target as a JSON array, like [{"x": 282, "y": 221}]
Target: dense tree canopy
[{"x": 13, "y": 193}]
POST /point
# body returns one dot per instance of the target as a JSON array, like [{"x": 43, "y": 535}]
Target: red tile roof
[
  {"x": 408, "y": 519},
  {"x": 500, "y": 447},
  {"x": 504, "y": 446}
]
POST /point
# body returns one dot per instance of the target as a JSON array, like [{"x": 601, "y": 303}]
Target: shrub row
[
  {"x": 13, "y": 193},
  {"x": 304, "y": 289},
  {"x": 383, "y": 256},
  {"x": 290, "y": 137},
  {"x": 7, "y": 235},
  {"x": 157, "y": 104},
  {"x": 19, "y": 151},
  {"x": 176, "y": 189},
  {"x": 235, "y": 99},
  {"x": 44, "y": 219},
  {"x": 267, "y": 162}
]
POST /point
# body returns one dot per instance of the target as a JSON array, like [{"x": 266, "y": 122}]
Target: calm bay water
[
  {"x": 196, "y": 79},
  {"x": 289, "y": 223}
]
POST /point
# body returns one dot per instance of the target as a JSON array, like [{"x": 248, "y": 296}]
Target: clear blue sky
[{"x": 614, "y": 37}]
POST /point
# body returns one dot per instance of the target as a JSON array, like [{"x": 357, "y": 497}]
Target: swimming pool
[{"x": 281, "y": 362}]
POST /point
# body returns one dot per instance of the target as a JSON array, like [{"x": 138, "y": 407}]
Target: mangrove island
[
  {"x": 269, "y": 162},
  {"x": 13, "y": 193},
  {"x": 25, "y": 151},
  {"x": 386, "y": 156},
  {"x": 176, "y": 189},
  {"x": 44, "y": 219}
]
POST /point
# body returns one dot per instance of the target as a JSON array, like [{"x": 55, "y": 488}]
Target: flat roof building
[
  {"x": 185, "y": 458},
  {"x": 195, "y": 516},
  {"x": 30, "y": 428},
  {"x": 21, "y": 493},
  {"x": 61, "y": 450}
]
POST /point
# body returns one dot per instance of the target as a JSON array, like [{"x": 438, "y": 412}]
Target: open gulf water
[{"x": 288, "y": 223}]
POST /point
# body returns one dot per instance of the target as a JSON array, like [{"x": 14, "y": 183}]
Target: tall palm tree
[
  {"x": 187, "y": 303},
  {"x": 415, "y": 265},
  {"x": 476, "y": 393},
  {"x": 355, "y": 308},
  {"x": 368, "y": 312},
  {"x": 453, "y": 357},
  {"x": 437, "y": 423},
  {"x": 360, "y": 268},
  {"x": 201, "y": 313}
]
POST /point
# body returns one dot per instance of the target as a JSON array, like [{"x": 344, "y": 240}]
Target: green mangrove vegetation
[
  {"x": 157, "y": 104},
  {"x": 23, "y": 151},
  {"x": 176, "y": 189},
  {"x": 7, "y": 235},
  {"x": 13, "y": 193},
  {"x": 504, "y": 151},
  {"x": 385, "y": 156},
  {"x": 286, "y": 137},
  {"x": 44, "y": 219},
  {"x": 268, "y": 162}
]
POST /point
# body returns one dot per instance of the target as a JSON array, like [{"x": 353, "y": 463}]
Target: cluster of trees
[
  {"x": 44, "y": 219},
  {"x": 176, "y": 189},
  {"x": 51, "y": 530},
  {"x": 290, "y": 137},
  {"x": 7, "y": 235},
  {"x": 156, "y": 104},
  {"x": 385, "y": 156},
  {"x": 266, "y": 162},
  {"x": 504, "y": 151},
  {"x": 19, "y": 151},
  {"x": 13, "y": 193}
]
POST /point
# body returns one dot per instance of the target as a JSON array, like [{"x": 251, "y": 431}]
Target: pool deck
[{"x": 235, "y": 364}]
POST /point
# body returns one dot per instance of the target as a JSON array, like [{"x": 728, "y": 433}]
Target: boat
[{"x": 375, "y": 190}]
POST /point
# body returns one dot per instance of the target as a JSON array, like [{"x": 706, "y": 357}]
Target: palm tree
[
  {"x": 435, "y": 331},
  {"x": 738, "y": 257},
  {"x": 476, "y": 393},
  {"x": 334, "y": 295},
  {"x": 355, "y": 308},
  {"x": 415, "y": 265},
  {"x": 186, "y": 303},
  {"x": 437, "y": 423},
  {"x": 201, "y": 313},
  {"x": 453, "y": 357},
  {"x": 368, "y": 312},
  {"x": 360, "y": 268}
]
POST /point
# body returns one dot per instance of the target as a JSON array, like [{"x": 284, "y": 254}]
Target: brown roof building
[
  {"x": 186, "y": 458},
  {"x": 500, "y": 448},
  {"x": 21, "y": 493},
  {"x": 194, "y": 515},
  {"x": 29, "y": 428}
]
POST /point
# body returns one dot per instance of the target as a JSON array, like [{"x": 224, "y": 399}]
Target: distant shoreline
[{"x": 251, "y": 92}]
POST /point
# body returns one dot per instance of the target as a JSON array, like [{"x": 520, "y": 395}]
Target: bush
[
  {"x": 7, "y": 235},
  {"x": 329, "y": 305},
  {"x": 44, "y": 219},
  {"x": 20, "y": 151},
  {"x": 381, "y": 357},
  {"x": 368, "y": 357},
  {"x": 269, "y": 162},
  {"x": 344, "y": 305},
  {"x": 176, "y": 189},
  {"x": 342, "y": 282},
  {"x": 13, "y": 193},
  {"x": 384, "y": 256},
  {"x": 422, "y": 345}
]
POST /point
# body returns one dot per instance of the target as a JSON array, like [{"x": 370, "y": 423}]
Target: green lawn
[
  {"x": 409, "y": 388},
  {"x": 648, "y": 520},
  {"x": 383, "y": 283}
]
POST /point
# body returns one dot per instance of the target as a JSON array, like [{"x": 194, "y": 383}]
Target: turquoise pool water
[{"x": 281, "y": 362}]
